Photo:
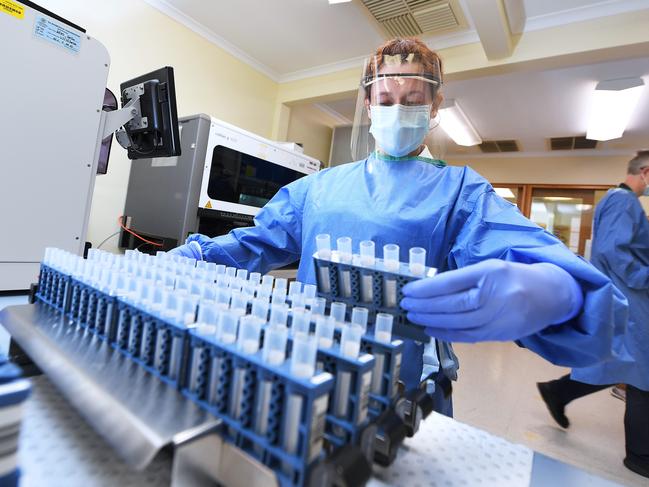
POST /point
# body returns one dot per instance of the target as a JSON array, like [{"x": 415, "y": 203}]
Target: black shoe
[
  {"x": 556, "y": 409},
  {"x": 637, "y": 467}
]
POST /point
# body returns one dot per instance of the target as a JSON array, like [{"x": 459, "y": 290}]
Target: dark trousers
[{"x": 636, "y": 416}]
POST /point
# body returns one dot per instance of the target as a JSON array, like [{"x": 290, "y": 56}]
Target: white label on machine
[
  {"x": 56, "y": 34},
  {"x": 364, "y": 396},
  {"x": 317, "y": 425},
  {"x": 164, "y": 161}
]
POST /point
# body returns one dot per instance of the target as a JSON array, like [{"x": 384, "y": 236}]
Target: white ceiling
[
  {"x": 533, "y": 106},
  {"x": 292, "y": 39}
]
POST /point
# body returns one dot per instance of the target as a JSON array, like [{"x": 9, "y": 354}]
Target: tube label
[
  {"x": 318, "y": 416},
  {"x": 364, "y": 394}
]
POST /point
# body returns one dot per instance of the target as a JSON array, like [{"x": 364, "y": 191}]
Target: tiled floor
[{"x": 496, "y": 391}]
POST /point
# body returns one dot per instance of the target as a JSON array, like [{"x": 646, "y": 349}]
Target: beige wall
[
  {"x": 548, "y": 170},
  {"x": 305, "y": 129},
  {"x": 140, "y": 39}
]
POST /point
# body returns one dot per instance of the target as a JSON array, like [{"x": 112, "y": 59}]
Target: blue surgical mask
[{"x": 399, "y": 129}]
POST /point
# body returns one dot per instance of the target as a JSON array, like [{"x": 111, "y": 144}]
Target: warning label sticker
[
  {"x": 57, "y": 34},
  {"x": 208, "y": 204},
  {"x": 12, "y": 8}
]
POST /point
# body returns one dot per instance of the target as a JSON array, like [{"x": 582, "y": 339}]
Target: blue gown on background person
[
  {"x": 452, "y": 212},
  {"x": 621, "y": 251}
]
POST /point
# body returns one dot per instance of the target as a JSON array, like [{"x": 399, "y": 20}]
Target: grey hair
[{"x": 640, "y": 160}]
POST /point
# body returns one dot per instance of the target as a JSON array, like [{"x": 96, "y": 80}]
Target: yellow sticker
[
  {"x": 208, "y": 204},
  {"x": 12, "y": 8}
]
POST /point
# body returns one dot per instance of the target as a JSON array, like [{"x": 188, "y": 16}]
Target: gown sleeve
[
  {"x": 494, "y": 228},
  {"x": 274, "y": 241}
]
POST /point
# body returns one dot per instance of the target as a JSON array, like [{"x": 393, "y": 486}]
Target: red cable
[{"x": 121, "y": 224}]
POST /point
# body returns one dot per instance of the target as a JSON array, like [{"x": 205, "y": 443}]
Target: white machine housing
[
  {"x": 227, "y": 135},
  {"x": 53, "y": 78}
]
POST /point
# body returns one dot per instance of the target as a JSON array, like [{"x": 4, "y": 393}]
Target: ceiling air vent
[
  {"x": 499, "y": 146},
  {"x": 570, "y": 143},
  {"x": 402, "y": 18}
]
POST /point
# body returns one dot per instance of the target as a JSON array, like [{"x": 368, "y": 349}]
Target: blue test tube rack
[
  {"x": 209, "y": 380},
  {"x": 329, "y": 288},
  {"x": 53, "y": 288},
  {"x": 202, "y": 368},
  {"x": 387, "y": 392}
]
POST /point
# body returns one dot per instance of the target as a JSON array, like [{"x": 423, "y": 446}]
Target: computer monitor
[{"x": 154, "y": 132}]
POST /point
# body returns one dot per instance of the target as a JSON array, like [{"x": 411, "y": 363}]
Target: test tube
[
  {"x": 323, "y": 244},
  {"x": 248, "y": 343},
  {"x": 391, "y": 263},
  {"x": 231, "y": 272},
  {"x": 220, "y": 269},
  {"x": 359, "y": 317},
  {"x": 309, "y": 292},
  {"x": 350, "y": 343},
  {"x": 260, "y": 309},
  {"x": 278, "y": 314},
  {"x": 186, "y": 315},
  {"x": 208, "y": 315},
  {"x": 254, "y": 277},
  {"x": 273, "y": 353},
  {"x": 417, "y": 262},
  {"x": 391, "y": 257},
  {"x": 350, "y": 340},
  {"x": 318, "y": 306},
  {"x": 249, "y": 330},
  {"x": 383, "y": 327},
  {"x": 382, "y": 333},
  {"x": 239, "y": 302},
  {"x": 303, "y": 355},
  {"x": 209, "y": 293},
  {"x": 223, "y": 296},
  {"x": 367, "y": 260},
  {"x": 301, "y": 322},
  {"x": 344, "y": 246},
  {"x": 338, "y": 311},
  {"x": 227, "y": 327},
  {"x": 278, "y": 296},
  {"x": 274, "y": 350},
  {"x": 267, "y": 281},
  {"x": 367, "y": 253},
  {"x": 281, "y": 283},
  {"x": 294, "y": 287},
  {"x": 324, "y": 331},
  {"x": 242, "y": 274},
  {"x": 298, "y": 301}
]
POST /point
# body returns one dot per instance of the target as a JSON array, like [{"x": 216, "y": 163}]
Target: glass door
[{"x": 565, "y": 212}]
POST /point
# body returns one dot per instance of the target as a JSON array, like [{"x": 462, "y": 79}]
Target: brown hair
[{"x": 404, "y": 46}]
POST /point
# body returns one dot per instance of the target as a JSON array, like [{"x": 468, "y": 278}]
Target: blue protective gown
[
  {"x": 621, "y": 251},
  {"x": 452, "y": 212}
]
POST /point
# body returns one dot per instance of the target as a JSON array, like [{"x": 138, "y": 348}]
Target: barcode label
[
  {"x": 396, "y": 371},
  {"x": 366, "y": 380},
  {"x": 317, "y": 425}
]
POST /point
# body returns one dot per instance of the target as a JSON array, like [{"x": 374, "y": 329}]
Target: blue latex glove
[
  {"x": 492, "y": 300},
  {"x": 191, "y": 250}
]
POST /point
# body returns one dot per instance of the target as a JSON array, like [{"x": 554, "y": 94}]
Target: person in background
[
  {"x": 501, "y": 276},
  {"x": 621, "y": 251}
]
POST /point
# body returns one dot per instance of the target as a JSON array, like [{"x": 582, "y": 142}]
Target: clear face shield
[{"x": 396, "y": 105}]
